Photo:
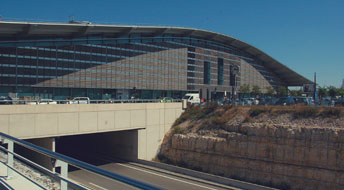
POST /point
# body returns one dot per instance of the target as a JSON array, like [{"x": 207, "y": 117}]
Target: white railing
[{"x": 111, "y": 101}]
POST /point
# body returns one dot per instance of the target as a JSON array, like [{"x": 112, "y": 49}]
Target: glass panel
[
  {"x": 206, "y": 73},
  {"x": 220, "y": 71}
]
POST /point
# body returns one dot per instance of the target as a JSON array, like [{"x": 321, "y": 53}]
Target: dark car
[
  {"x": 286, "y": 101},
  {"x": 5, "y": 100},
  {"x": 304, "y": 100},
  {"x": 267, "y": 101},
  {"x": 339, "y": 102},
  {"x": 223, "y": 101}
]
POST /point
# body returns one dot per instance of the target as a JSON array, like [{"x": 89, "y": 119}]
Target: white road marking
[
  {"x": 165, "y": 176},
  {"x": 98, "y": 186}
]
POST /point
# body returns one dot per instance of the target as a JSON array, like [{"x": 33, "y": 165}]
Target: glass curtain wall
[{"x": 100, "y": 67}]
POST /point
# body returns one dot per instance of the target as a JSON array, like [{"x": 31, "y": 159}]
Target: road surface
[{"x": 150, "y": 175}]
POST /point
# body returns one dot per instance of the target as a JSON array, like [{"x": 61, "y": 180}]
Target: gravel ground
[
  {"x": 33, "y": 174},
  {"x": 287, "y": 119}
]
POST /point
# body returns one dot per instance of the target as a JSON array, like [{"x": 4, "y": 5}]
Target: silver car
[
  {"x": 47, "y": 101},
  {"x": 80, "y": 100}
]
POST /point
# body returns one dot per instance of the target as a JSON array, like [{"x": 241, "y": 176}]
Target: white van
[
  {"x": 80, "y": 100},
  {"x": 192, "y": 98}
]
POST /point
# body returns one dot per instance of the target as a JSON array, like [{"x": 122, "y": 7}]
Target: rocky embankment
[{"x": 282, "y": 147}]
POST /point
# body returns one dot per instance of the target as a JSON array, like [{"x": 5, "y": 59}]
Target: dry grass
[{"x": 213, "y": 117}]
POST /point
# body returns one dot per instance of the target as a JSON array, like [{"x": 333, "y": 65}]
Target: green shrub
[
  {"x": 190, "y": 113},
  {"x": 247, "y": 120},
  {"x": 178, "y": 130},
  {"x": 257, "y": 111},
  {"x": 331, "y": 112},
  {"x": 305, "y": 112},
  {"x": 227, "y": 107},
  {"x": 207, "y": 110},
  {"x": 197, "y": 112},
  {"x": 243, "y": 130},
  {"x": 213, "y": 123}
]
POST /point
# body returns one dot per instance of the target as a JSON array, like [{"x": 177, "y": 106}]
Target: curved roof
[{"x": 25, "y": 30}]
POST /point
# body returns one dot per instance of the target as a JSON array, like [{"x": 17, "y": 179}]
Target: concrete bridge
[
  {"x": 85, "y": 131},
  {"x": 130, "y": 130}
]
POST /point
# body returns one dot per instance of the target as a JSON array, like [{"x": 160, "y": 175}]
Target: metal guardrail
[
  {"x": 62, "y": 161},
  {"x": 113, "y": 101}
]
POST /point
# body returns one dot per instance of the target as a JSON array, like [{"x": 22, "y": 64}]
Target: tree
[
  {"x": 270, "y": 91},
  {"x": 340, "y": 92},
  {"x": 245, "y": 89},
  {"x": 293, "y": 92},
  {"x": 256, "y": 90},
  {"x": 322, "y": 92},
  {"x": 282, "y": 91},
  {"x": 332, "y": 91}
]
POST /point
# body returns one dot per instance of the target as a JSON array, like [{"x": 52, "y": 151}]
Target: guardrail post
[
  {"x": 10, "y": 148},
  {"x": 64, "y": 173}
]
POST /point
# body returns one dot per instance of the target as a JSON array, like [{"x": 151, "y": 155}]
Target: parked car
[
  {"x": 166, "y": 99},
  {"x": 192, "y": 98},
  {"x": 267, "y": 101},
  {"x": 247, "y": 101},
  {"x": 325, "y": 102},
  {"x": 304, "y": 100},
  {"x": 47, "y": 101},
  {"x": 286, "y": 101},
  {"x": 5, "y": 100},
  {"x": 339, "y": 102},
  {"x": 80, "y": 100}
]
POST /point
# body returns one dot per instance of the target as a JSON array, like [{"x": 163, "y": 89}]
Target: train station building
[{"x": 60, "y": 60}]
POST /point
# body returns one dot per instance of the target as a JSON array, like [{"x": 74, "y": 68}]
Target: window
[
  {"x": 220, "y": 71},
  {"x": 191, "y": 55},
  {"x": 206, "y": 72},
  {"x": 232, "y": 77}
]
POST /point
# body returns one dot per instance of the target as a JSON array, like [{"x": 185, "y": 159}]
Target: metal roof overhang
[{"x": 27, "y": 30}]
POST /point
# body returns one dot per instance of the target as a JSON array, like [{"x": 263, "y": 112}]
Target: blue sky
[{"x": 305, "y": 35}]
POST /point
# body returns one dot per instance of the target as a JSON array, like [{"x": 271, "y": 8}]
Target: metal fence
[
  {"x": 58, "y": 161},
  {"x": 112, "y": 101}
]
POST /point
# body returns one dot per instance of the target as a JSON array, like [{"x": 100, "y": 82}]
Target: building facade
[{"x": 58, "y": 61}]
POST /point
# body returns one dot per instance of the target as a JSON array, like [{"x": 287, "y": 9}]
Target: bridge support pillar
[
  {"x": 10, "y": 149},
  {"x": 48, "y": 143}
]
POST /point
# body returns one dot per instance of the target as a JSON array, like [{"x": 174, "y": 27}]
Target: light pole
[{"x": 315, "y": 87}]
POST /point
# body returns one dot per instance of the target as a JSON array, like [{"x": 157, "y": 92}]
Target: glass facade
[
  {"x": 220, "y": 71},
  {"x": 206, "y": 72},
  {"x": 140, "y": 65}
]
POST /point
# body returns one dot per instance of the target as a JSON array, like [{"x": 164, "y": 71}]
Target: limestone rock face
[{"x": 281, "y": 156}]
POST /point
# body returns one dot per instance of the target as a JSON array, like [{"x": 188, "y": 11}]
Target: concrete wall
[
  {"x": 41, "y": 159},
  {"x": 152, "y": 120},
  {"x": 159, "y": 121},
  {"x": 47, "y": 143}
]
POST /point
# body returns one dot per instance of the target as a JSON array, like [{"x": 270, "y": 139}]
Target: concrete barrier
[{"x": 205, "y": 176}]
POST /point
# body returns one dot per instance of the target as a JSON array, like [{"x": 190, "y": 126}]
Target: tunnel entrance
[{"x": 100, "y": 148}]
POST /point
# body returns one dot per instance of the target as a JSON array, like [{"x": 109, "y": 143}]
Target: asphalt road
[{"x": 153, "y": 176}]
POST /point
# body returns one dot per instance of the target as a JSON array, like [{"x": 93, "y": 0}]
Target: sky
[{"x": 305, "y": 35}]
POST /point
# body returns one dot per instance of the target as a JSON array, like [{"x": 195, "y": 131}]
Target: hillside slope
[{"x": 284, "y": 147}]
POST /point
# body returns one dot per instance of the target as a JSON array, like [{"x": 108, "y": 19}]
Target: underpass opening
[{"x": 100, "y": 148}]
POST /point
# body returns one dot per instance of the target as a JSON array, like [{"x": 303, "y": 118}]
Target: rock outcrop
[{"x": 277, "y": 155}]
